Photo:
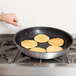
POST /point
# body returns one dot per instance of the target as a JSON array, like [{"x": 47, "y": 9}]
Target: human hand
[{"x": 10, "y": 18}]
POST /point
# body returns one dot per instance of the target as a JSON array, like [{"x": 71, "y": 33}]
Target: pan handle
[{"x": 19, "y": 25}]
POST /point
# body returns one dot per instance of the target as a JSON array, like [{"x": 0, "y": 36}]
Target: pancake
[
  {"x": 41, "y": 38},
  {"x": 56, "y": 41},
  {"x": 54, "y": 49},
  {"x": 38, "y": 49},
  {"x": 28, "y": 43}
]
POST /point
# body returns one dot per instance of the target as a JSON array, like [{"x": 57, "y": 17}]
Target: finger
[
  {"x": 14, "y": 23},
  {"x": 15, "y": 20}
]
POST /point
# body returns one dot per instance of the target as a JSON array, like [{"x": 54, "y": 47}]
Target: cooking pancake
[
  {"x": 41, "y": 38},
  {"x": 38, "y": 49},
  {"x": 54, "y": 49},
  {"x": 29, "y": 43},
  {"x": 56, "y": 41}
]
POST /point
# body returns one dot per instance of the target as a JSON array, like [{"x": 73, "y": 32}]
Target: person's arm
[
  {"x": 0, "y": 17},
  {"x": 9, "y": 18}
]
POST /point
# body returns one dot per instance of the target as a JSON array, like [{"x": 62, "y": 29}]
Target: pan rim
[{"x": 44, "y": 27}]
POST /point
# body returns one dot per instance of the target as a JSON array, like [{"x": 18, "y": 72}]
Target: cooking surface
[
  {"x": 18, "y": 64},
  {"x": 9, "y": 53}
]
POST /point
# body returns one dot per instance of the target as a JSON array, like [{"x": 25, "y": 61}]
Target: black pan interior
[{"x": 30, "y": 33}]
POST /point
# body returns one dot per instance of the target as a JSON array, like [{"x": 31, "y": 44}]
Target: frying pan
[{"x": 30, "y": 33}]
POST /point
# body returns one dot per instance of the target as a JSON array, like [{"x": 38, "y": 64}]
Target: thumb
[
  {"x": 16, "y": 20},
  {"x": 14, "y": 23}
]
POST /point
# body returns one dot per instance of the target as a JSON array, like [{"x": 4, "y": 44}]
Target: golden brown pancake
[
  {"x": 41, "y": 38},
  {"x": 29, "y": 43},
  {"x": 56, "y": 41},
  {"x": 54, "y": 49},
  {"x": 38, "y": 49}
]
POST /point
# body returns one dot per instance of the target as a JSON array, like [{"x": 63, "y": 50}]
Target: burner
[
  {"x": 9, "y": 53},
  {"x": 72, "y": 53},
  {"x": 8, "y": 49},
  {"x": 3, "y": 59},
  {"x": 22, "y": 58}
]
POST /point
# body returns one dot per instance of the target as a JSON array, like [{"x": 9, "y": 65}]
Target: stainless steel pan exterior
[{"x": 30, "y": 33}]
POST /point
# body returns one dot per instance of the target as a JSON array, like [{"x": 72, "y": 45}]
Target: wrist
[{"x": 1, "y": 17}]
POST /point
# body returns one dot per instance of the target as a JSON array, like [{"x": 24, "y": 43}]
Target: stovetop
[{"x": 9, "y": 53}]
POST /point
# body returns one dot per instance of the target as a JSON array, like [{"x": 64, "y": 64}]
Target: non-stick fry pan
[{"x": 30, "y": 33}]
